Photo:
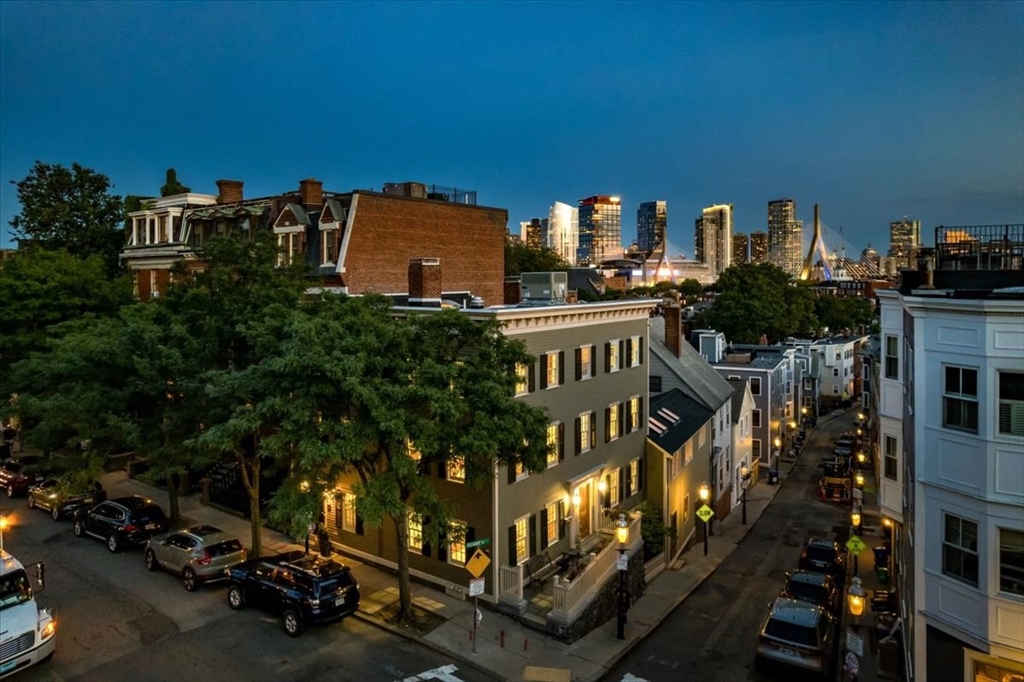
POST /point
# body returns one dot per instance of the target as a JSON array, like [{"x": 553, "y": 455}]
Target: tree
[
  {"x": 756, "y": 299},
  {"x": 70, "y": 209},
  {"x": 40, "y": 289},
  {"x": 520, "y": 258},
  {"x": 172, "y": 186},
  {"x": 838, "y": 313}
]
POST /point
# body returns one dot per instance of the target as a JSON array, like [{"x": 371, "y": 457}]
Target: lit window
[
  {"x": 413, "y": 451},
  {"x": 553, "y": 444},
  {"x": 613, "y": 421},
  {"x": 960, "y": 549},
  {"x": 455, "y": 468},
  {"x": 415, "y": 532},
  {"x": 521, "y": 471},
  {"x": 612, "y": 348},
  {"x": 586, "y": 356},
  {"x": 1011, "y": 561},
  {"x": 1011, "y": 403},
  {"x": 521, "y": 534},
  {"x": 613, "y": 488},
  {"x": 586, "y": 426},
  {"x": 457, "y": 543},
  {"x": 634, "y": 476},
  {"x": 348, "y": 514},
  {"x": 634, "y": 413},
  {"x": 634, "y": 351},
  {"x": 960, "y": 401},
  {"x": 522, "y": 378},
  {"x": 554, "y": 518},
  {"x": 552, "y": 370}
]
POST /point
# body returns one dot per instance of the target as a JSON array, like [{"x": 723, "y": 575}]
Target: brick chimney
[
  {"x": 312, "y": 192},
  {"x": 425, "y": 282},
  {"x": 673, "y": 330},
  {"x": 229, "y": 191},
  {"x": 512, "y": 290}
]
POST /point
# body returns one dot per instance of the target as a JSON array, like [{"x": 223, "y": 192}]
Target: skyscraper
[
  {"x": 534, "y": 232},
  {"x": 651, "y": 225},
  {"x": 713, "y": 238},
  {"x": 785, "y": 236},
  {"x": 600, "y": 229},
  {"x": 740, "y": 253},
  {"x": 758, "y": 247},
  {"x": 904, "y": 237},
  {"x": 563, "y": 231}
]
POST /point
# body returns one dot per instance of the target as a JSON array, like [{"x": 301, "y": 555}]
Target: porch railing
[
  {"x": 572, "y": 598},
  {"x": 510, "y": 585}
]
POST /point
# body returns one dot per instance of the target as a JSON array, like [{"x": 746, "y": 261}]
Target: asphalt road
[
  {"x": 712, "y": 635},
  {"x": 117, "y": 621}
]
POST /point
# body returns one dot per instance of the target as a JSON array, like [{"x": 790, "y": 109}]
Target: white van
[{"x": 27, "y": 631}]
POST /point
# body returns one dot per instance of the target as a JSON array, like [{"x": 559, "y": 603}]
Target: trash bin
[
  {"x": 881, "y": 556},
  {"x": 773, "y": 476}
]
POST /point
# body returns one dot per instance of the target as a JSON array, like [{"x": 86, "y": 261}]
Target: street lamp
[
  {"x": 745, "y": 478},
  {"x": 855, "y": 599},
  {"x": 861, "y": 458},
  {"x": 859, "y": 479},
  {"x": 855, "y": 522},
  {"x": 4, "y": 523},
  {"x": 622, "y": 535},
  {"x": 704, "y": 492}
]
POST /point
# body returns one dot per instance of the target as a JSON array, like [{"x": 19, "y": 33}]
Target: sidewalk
[{"x": 505, "y": 648}]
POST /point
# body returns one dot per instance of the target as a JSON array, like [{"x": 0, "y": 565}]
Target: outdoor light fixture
[
  {"x": 855, "y": 599},
  {"x": 860, "y": 416},
  {"x": 859, "y": 432},
  {"x": 861, "y": 458},
  {"x": 622, "y": 535},
  {"x": 792, "y": 425},
  {"x": 855, "y": 519},
  {"x": 5, "y": 522},
  {"x": 859, "y": 478},
  {"x": 602, "y": 486},
  {"x": 887, "y": 522},
  {"x": 304, "y": 486},
  {"x": 622, "y": 530},
  {"x": 803, "y": 410},
  {"x": 704, "y": 492},
  {"x": 744, "y": 482},
  {"x": 778, "y": 442},
  {"x": 576, "y": 500}
]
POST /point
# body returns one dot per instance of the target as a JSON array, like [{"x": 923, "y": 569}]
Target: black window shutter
[
  {"x": 544, "y": 371},
  {"x": 442, "y": 550},
  {"x": 561, "y": 441},
  {"x": 621, "y": 407},
  {"x": 629, "y": 421},
  {"x": 579, "y": 363},
  {"x": 531, "y": 379},
  {"x": 626, "y": 491},
  {"x": 512, "y": 545},
  {"x": 424, "y": 522},
  {"x": 359, "y": 524},
  {"x": 640, "y": 474},
  {"x": 544, "y": 528},
  {"x": 561, "y": 367},
  {"x": 470, "y": 537},
  {"x": 533, "y": 534},
  {"x": 593, "y": 361},
  {"x": 622, "y": 485},
  {"x": 629, "y": 350},
  {"x": 593, "y": 430},
  {"x": 607, "y": 357},
  {"x": 511, "y": 473},
  {"x": 607, "y": 424},
  {"x": 622, "y": 353},
  {"x": 641, "y": 354},
  {"x": 607, "y": 491},
  {"x": 562, "y": 521},
  {"x": 641, "y": 410},
  {"x": 576, "y": 435},
  {"x": 442, "y": 469}
]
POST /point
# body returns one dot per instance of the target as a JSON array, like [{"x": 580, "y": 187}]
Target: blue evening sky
[{"x": 873, "y": 110}]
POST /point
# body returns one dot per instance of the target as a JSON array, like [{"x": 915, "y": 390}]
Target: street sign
[
  {"x": 855, "y": 544},
  {"x": 705, "y": 513},
  {"x": 476, "y": 586},
  {"x": 854, "y": 642},
  {"x": 482, "y": 542},
  {"x": 622, "y": 562},
  {"x": 858, "y": 495},
  {"x": 478, "y": 563}
]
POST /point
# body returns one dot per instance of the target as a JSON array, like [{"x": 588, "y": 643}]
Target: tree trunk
[
  {"x": 172, "y": 498},
  {"x": 404, "y": 588},
  {"x": 249, "y": 471}
]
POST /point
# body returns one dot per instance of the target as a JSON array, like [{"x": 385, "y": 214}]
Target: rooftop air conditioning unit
[{"x": 543, "y": 288}]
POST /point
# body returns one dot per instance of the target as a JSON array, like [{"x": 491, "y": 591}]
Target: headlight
[{"x": 48, "y": 629}]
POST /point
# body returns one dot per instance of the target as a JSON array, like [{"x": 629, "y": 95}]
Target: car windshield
[
  {"x": 806, "y": 592},
  {"x": 821, "y": 553},
  {"x": 14, "y": 589},
  {"x": 226, "y": 547},
  {"x": 788, "y": 632}
]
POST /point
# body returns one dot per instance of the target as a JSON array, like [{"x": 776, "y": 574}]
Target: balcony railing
[{"x": 510, "y": 586}]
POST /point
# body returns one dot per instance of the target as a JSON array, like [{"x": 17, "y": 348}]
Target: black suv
[
  {"x": 823, "y": 556},
  {"x": 122, "y": 521},
  {"x": 303, "y": 588},
  {"x": 814, "y": 588}
]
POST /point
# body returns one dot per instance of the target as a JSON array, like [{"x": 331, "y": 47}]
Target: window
[
  {"x": 688, "y": 451},
  {"x": 1011, "y": 561},
  {"x": 584, "y": 362},
  {"x": 960, "y": 401},
  {"x": 755, "y": 449},
  {"x": 415, "y": 532},
  {"x": 756, "y": 418},
  {"x": 586, "y": 433},
  {"x": 330, "y": 246},
  {"x": 891, "y": 461},
  {"x": 1011, "y": 403},
  {"x": 455, "y": 469},
  {"x": 457, "y": 543},
  {"x": 549, "y": 362},
  {"x": 892, "y": 356},
  {"x": 290, "y": 246},
  {"x": 554, "y": 510},
  {"x": 960, "y": 549},
  {"x": 414, "y": 453},
  {"x": 348, "y": 512},
  {"x": 686, "y": 507},
  {"x": 612, "y": 421},
  {"x": 835, "y": 372},
  {"x": 520, "y": 536},
  {"x": 701, "y": 437},
  {"x": 755, "y": 385},
  {"x": 634, "y": 477},
  {"x": 612, "y": 359},
  {"x": 521, "y": 471},
  {"x": 654, "y": 384},
  {"x": 835, "y": 390},
  {"x": 522, "y": 378},
  {"x": 634, "y": 351},
  {"x": 554, "y": 447},
  {"x": 634, "y": 413},
  {"x": 675, "y": 465}
]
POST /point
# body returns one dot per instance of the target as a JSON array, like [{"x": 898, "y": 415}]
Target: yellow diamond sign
[
  {"x": 705, "y": 513},
  {"x": 478, "y": 563},
  {"x": 855, "y": 544}
]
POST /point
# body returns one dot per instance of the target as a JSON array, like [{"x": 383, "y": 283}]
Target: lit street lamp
[
  {"x": 855, "y": 522},
  {"x": 622, "y": 535},
  {"x": 704, "y": 492},
  {"x": 4, "y": 523},
  {"x": 855, "y": 599},
  {"x": 745, "y": 478},
  {"x": 859, "y": 479}
]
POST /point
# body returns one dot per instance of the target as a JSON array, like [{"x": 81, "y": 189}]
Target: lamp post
[
  {"x": 622, "y": 535},
  {"x": 855, "y": 522},
  {"x": 704, "y": 492},
  {"x": 858, "y": 479},
  {"x": 304, "y": 488},
  {"x": 4, "y": 523},
  {"x": 855, "y": 599},
  {"x": 745, "y": 482}
]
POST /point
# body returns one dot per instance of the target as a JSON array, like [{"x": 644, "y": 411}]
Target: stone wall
[{"x": 605, "y": 606}]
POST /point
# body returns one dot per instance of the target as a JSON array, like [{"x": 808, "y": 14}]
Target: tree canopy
[
  {"x": 72, "y": 209},
  {"x": 171, "y": 185},
  {"x": 760, "y": 298},
  {"x": 520, "y": 258}
]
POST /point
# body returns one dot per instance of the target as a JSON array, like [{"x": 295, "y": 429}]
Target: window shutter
[
  {"x": 623, "y": 493},
  {"x": 544, "y": 371},
  {"x": 593, "y": 430},
  {"x": 593, "y": 361},
  {"x": 607, "y": 491},
  {"x": 533, "y": 534},
  {"x": 641, "y": 410},
  {"x": 512, "y": 559},
  {"x": 607, "y": 424},
  {"x": 442, "y": 469},
  {"x": 622, "y": 353},
  {"x": 607, "y": 357},
  {"x": 629, "y": 421},
  {"x": 629, "y": 350},
  {"x": 424, "y": 522},
  {"x": 442, "y": 550},
  {"x": 511, "y": 473},
  {"x": 561, "y": 368},
  {"x": 561, "y": 441},
  {"x": 579, "y": 363},
  {"x": 470, "y": 536},
  {"x": 531, "y": 379},
  {"x": 641, "y": 353},
  {"x": 544, "y": 528},
  {"x": 578, "y": 440},
  {"x": 359, "y": 524},
  {"x": 621, "y": 407},
  {"x": 562, "y": 521},
  {"x": 640, "y": 475}
]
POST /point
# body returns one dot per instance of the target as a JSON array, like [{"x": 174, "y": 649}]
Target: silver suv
[
  {"x": 198, "y": 554},
  {"x": 797, "y": 636}
]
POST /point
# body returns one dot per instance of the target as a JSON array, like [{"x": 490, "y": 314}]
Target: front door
[{"x": 585, "y": 510}]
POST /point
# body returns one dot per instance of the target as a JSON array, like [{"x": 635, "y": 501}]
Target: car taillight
[
  {"x": 130, "y": 528},
  {"x": 205, "y": 561}
]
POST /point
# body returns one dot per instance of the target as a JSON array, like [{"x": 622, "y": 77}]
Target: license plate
[
  {"x": 87, "y": 500},
  {"x": 7, "y": 666},
  {"x": 339, "y": 601},
  {"x": 151, "y": 526}
]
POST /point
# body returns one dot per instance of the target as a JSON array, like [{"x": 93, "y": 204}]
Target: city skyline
[{"x": 889, "y": 109}]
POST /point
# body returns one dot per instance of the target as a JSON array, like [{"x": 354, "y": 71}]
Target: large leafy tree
[
  {"x": 760, "y": 298},
  {"x": 520, "y": 258},
  {"x": 171, "y": 185},
  {"x": 40, "y": 289},
  {"x": 837, "y": 313},
  {"x": 70, "y": 208}
]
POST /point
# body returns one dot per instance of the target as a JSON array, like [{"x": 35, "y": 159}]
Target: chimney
[
  {"x": 425, "y": 282},
  {"x": 512, "y": 290},
  {"x": 673, "y": 337},
  {"x": 687, "y": 330},
  {"x": 229, "y": 191},
  {"x": 572, "y": 296},
  {"x": 312, "y": 192}
]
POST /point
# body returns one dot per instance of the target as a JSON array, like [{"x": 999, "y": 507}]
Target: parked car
[
  {"x": 198, "y": 554},
  {"x": 18, "y": 474},
  {"x": 798, "y": 637},
  {"x": 823, "y": 556},
  {"x": 814, "y": 588},
  {"x": 303, "y": 588},
  {"x": 59, "y": 496},
  {"x": 122, "y": 521}
]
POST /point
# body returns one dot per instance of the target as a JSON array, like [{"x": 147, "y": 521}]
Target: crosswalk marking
[
  {"x": 630, "y": 677},
  {"x": 443, "y": 674}
]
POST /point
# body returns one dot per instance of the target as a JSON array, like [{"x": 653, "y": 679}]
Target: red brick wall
[{"x": 388, "y": 231}]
